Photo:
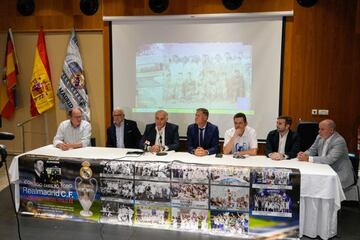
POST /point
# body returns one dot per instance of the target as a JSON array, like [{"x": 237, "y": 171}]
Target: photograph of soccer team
[
  {"x": 152, "y": 171},
  {"x": 191, "y": 173},
  {"x": 117, "y": 169},
  {"x": 229, "y": 175},
  {"x": 272, "y": 178}
]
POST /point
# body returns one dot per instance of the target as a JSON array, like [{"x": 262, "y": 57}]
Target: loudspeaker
[
  {"x": 232, "y": 4},
  {"x": 158, "y": 6},
  {"x": 89, "y": 7},
  {"x": 307, "y": 3},
  {"x": 25, "y": 7}
]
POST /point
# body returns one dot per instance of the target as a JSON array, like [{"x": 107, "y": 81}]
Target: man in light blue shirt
[{"x": 74, "y": 132}]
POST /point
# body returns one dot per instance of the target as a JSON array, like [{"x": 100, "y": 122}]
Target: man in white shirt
[
  {"x": 241, "y": 139},
  {"x": 74, "y": 132},
  {"x": 282, "y": 143},
  {"x": 330, "y": 148}
]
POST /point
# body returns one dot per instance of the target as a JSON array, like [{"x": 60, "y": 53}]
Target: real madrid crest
[
  {"x": 78, "y": 80},
  {"x": 85, "y": 171}
]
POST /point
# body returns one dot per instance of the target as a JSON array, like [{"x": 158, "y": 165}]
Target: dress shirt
[
  {"x": 66, "y": 133},
  {"x": 160, "y": 137},
  {"x": 282, "y": 143},
  {"x": 202, "y": 131},
  {"x": 120, "y": 135}
]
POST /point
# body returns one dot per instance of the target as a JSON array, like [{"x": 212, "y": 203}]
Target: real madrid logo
[
  {"x": 85, "y": 171},
  {"x": 77, "y": 80}
]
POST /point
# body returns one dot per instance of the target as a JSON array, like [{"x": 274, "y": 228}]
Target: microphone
[
  {"x": 160, "y": 140},
  {"x": 3, "y": 154},
  {"x": 6, "y": 136},
  {"x": 146, "y": 145}
]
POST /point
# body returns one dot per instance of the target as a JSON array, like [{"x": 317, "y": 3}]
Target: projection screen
[{"x": 225, "y": 64}]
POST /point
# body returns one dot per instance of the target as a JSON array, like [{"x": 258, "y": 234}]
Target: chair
[
  {"x": 93, "y": 142},
  {"x": 307, "y": 132},
  {"x": 352, "y": 193}
]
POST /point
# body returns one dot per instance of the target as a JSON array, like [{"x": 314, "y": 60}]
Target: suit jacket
[
  {"x": 211, "y": 138},
  {"x": 292, "y": 144},
  {"x": 336, "y": 156},
  {"x": 171, "y": 136},
  {"x": 132, "y": 135}
]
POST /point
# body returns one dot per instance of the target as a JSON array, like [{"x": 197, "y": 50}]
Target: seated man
[
  {"x": 330, "y": 148},
  {"x": 202, "y": 136},
  {"x": 123, "y": 133},
  {"x": 282, "y": 143},
  {"x": 74, "y": 132},
  {"x": 161, "y": 135},
  {"x": 241, "y": 139}
]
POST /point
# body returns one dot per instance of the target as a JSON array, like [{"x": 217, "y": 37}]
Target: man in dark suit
[
  {"x": 122, "y": 133},
  {"x": 161, "y": 135},
  {"x": 282, "y": 143},
  {"x": 40, "y": 173},
  {"x": 202, "y": 136},
  {"x": 330, "y": 148}
]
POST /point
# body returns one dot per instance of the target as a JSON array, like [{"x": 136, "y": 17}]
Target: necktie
[{"x": 201, "y": 137}]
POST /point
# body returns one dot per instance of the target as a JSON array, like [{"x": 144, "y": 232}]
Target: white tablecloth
[{"x": 320, "y": 193}]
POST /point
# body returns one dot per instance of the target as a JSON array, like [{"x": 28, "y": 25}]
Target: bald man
[
  {"x": 74, "y": 132},
  {"x": 330, "y": 148},
  {"x": 123, "y": 133},
  {"x": 161, "y": 135}
]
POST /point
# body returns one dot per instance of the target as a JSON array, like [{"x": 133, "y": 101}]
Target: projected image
[{"x": 177, "y": 76}]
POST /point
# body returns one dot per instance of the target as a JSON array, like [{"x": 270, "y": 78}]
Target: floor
[{"x": 33, "y": 228}]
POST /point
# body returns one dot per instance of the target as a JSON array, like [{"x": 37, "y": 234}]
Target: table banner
[{"x": 245, "y": 202}]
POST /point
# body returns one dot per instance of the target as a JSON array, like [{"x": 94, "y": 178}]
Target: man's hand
[
  {"x": 63, "y": 146},
  {"x": 239, "y": 132},
  {"x": 303, "y": 157},
  {"x": 200, "y": 152},
  {"x": 67, "y": 146},
  {"x": 155, "y": 148},
  {"x": 277, "y": 156}
]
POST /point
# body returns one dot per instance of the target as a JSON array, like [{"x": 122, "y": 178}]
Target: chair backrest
[
  {"x": 355, "y": 163},
  {"x": 307, "y": 132},
  {"x": 93, "y": 142}
]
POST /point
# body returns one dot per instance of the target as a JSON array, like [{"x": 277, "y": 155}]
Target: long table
[{"x": 320, "y": 194}]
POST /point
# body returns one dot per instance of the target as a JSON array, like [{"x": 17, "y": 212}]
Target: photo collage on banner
[
  {"x": 152, "y": 194},
  {"x": 61, "y": 188},
  {"x": 190, "y": 196},
  {"x": 275, "y": 201},
  {"x": 117, "y": 192},
  {"x": 237, "y": 201},
  {"x": 230, "y": 200}
]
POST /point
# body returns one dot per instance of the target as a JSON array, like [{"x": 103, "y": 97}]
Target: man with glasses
[
  {"x": 74, "y": 132},
  {"x": 123, "y": 133}
]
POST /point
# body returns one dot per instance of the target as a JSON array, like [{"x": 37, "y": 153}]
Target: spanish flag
[
  {"x": 41, "y": 91},
  {"x": 7, "y": 87}
]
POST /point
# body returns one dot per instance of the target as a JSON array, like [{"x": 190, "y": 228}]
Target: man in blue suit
[
  {"x": 123, "y": 133},
  {"x": 202, "y": 136},
  {"x": 161, "y": 135}
]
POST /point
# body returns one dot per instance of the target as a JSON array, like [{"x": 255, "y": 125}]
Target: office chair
[
  {"x": 307, "y": 132},
  {"x": 92, "y": 142}
]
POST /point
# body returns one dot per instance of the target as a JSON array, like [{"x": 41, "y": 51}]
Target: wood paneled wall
[
  {"x": 321, "y": 54},
  {"x": 53, "y": 15}
]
